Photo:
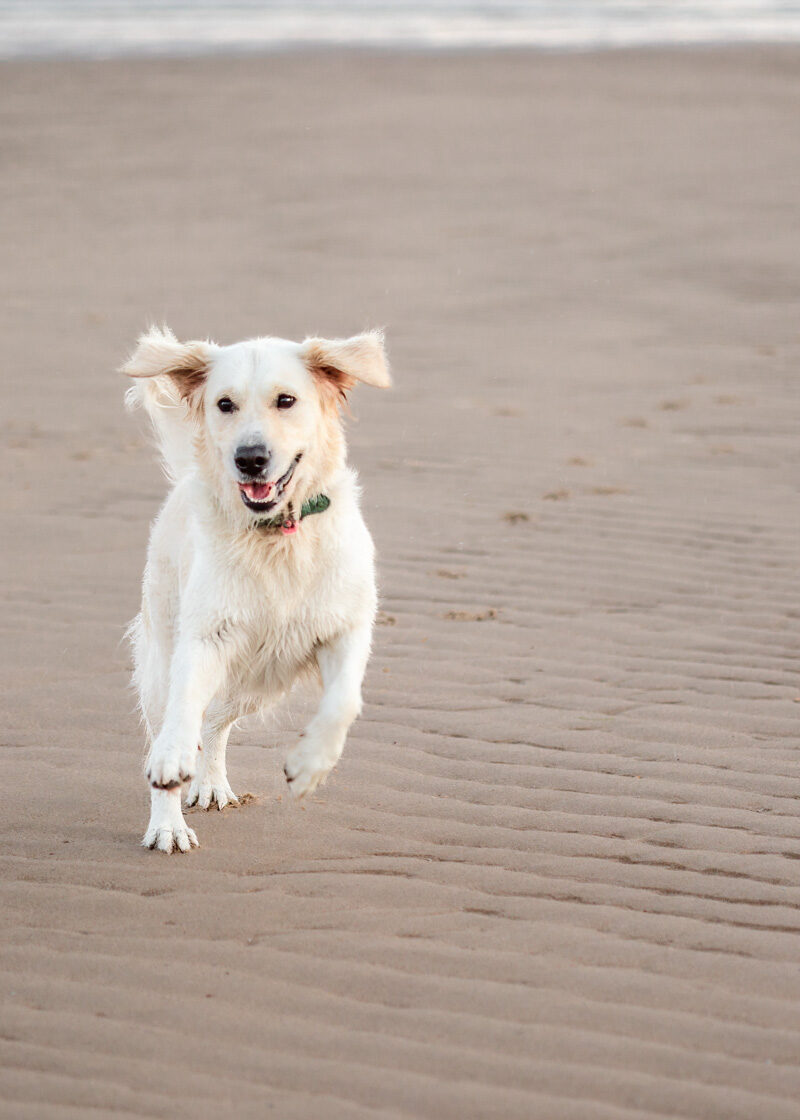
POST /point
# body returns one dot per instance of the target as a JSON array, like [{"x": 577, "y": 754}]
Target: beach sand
[{"x": 556, "y": 875}]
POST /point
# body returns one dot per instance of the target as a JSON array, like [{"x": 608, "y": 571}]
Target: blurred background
[{"x": 104, "y": 28}]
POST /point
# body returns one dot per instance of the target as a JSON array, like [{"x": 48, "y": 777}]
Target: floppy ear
[
  {"x": 338, "y": 363},
  {"x": 158, "y": 353}
]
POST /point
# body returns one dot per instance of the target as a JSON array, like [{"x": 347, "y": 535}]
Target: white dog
[{"x": 260, "y": 568}]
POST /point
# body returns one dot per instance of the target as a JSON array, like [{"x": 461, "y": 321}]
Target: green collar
[{"x": 287, "y": 522}]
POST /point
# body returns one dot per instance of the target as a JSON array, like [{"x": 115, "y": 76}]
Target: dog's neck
[{"x": 287, "y": 521}]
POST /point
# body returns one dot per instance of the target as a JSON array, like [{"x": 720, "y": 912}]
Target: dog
[{"x": 260, "y": 569}]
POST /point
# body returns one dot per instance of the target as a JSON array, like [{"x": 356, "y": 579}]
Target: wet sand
[{"x": 557, "y": 872}]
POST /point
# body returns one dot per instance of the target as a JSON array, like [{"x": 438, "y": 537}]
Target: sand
[{"x": 556, "y": 872}]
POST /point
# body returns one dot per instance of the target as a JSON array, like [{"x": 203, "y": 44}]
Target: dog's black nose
[{"x": 251, "y": 460}]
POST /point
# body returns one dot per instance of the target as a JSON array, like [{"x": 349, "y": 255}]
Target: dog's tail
[{"x": 167, "y": 412}]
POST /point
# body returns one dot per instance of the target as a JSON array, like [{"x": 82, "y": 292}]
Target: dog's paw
[
  {"x": 171, "y": 839},
  {"x": 211, "y": 790},
  {"x": 170, "y": 764},
  {"x": 167, "y": 830},
  {"x": 306, "y": 768}
]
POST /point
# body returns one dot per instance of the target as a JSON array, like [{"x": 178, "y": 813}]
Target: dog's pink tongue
[{"x": 257, "y": 491}]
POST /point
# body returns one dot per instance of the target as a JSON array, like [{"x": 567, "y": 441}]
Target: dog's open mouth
[{"x": 264, "y": 496}]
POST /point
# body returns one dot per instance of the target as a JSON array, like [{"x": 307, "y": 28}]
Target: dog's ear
[
  {"x": 338, "y": 363},
  {"x": 158, "y": 353}
]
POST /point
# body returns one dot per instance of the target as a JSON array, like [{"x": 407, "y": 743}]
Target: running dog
[{"x": 260, "y": 569}]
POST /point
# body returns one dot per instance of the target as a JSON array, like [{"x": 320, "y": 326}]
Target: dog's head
[{"x": 264, "y": 414}]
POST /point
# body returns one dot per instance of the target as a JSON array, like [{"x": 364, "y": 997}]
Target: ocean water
[{"x": 108, "y": 28}]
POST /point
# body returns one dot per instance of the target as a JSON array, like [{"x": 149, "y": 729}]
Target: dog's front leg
[
  {"x": 342, "y": 663},
  {"x": 198, "y": 670},
  {"x": 167, "y": 829}
]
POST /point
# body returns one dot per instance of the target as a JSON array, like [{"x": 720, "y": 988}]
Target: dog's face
[
  {"x": 263, "y": 413},
  {"x": 266, "y": 411}
]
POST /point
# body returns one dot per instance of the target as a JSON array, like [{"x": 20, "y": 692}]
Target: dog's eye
[
  {"x": 225, "y": 404},
  {"x": 285, "y": 401}
]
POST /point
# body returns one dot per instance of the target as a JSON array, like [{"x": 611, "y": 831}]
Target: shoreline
[{"x": 405, "y": 50}]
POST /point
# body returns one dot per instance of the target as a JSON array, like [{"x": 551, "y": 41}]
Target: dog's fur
[{"x": 235, "y": 609}]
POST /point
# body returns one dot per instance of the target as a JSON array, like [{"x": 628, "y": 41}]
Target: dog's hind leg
[
  {"x": 150, "y": 669},
  {"x": 210, "y": 783}
]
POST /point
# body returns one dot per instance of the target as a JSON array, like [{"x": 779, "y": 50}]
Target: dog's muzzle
[{"x": 261, "y": 497}]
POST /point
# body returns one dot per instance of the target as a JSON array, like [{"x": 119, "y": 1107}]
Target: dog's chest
[{"x": 286, "y": 622}]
